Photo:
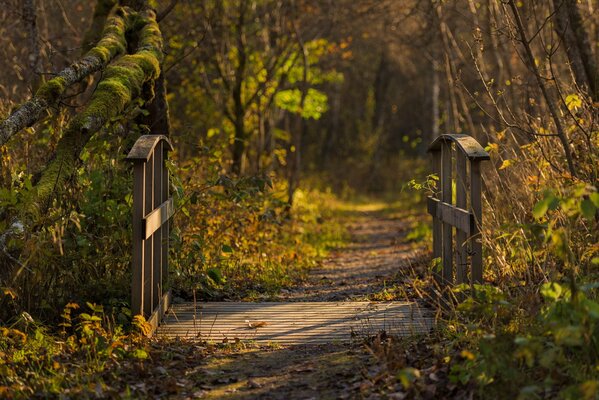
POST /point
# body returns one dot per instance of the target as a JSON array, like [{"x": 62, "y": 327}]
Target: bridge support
[
  {"x": 456, "y": 161},
  {"x": 152, "y": 210}
]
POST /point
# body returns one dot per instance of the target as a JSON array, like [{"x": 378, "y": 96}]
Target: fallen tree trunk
[
  {"x": 112, "y": 44},
  {"x": 122, "y": 82}
]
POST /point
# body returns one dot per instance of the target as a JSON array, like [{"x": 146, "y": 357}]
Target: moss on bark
[
  {"x": 112, "y": 44},
  {"x": 94, "y": 33},
  {"x": 122, "y": 82}
]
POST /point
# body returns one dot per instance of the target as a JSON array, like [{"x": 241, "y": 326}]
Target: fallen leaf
[{"x": 255, "y": 325}]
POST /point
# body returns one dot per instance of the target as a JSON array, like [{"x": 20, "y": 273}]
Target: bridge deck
[{"x": 293, "y": 322}]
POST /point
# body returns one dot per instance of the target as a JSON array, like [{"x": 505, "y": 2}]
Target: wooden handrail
[
  {"x": 459, "y": 167},
  {"x": 152, "y": 210},
  {"x": 467, "y": 144}
]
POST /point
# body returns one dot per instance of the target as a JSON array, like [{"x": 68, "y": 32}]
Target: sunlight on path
[
  {"x": 332, "y": 305},
  {"x": 295, "y": 322}
]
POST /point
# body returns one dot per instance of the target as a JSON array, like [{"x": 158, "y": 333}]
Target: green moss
[
  {"x": 112, "y": 41},
  {"x": 101, "y": 13},
  {"x": 110, "y": 45},
  {"x": 122, "y": 81},
  {"x": 52, "y": 90}
]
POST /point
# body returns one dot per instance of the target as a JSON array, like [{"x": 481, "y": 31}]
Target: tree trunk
[
  {"x": 570, "y": 29},
  {"x": 240, "y": 141},
  {"x": 30, "y": 21},
  {"x": 239, "y": 145},
  {"x": 530, "y": 59}
]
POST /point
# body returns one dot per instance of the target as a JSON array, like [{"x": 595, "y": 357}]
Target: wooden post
[
  {"x": 152, "y": 210},
  {"x": 446, "y": 196},
  {"x": 477, "y": 211},
  {"x": 165, "y": 227},
  {"x": 157, "y": 236},
  {"x": 437, "y": 226},
  {"x": 137, "y": 287},
  {"x": 461, "y": 202},
  {"x": 466, "y": 218},
  {"x": 148, "y": 245}
]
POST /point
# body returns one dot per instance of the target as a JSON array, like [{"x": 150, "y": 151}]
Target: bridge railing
[
  {"x": 456, "y": 161},
  {"x": 152, "y": 209}
]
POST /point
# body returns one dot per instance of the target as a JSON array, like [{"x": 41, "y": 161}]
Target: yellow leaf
[
  {"x": 532, "y": 180},
  {"x": 505, "y": 164},
  {"x": 467, "y": 355},
  {"x": 492, "y": 147},
  {"x": 573, "y": 102}
]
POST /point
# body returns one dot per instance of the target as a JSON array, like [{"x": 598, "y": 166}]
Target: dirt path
[
  {"x": 374, "y": 264},
  {"x": 376, "y": 255}
]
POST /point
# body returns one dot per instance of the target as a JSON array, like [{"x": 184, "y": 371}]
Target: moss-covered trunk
[{"x": 122, "y": 82}]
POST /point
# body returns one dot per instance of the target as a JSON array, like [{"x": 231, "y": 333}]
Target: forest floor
[{"x": 373, "y": 265}]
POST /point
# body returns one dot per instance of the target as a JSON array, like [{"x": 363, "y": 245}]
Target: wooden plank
[
  {"x": 159, "y": 312},
  {"x": 294, "y": 322},
  {"x": 467, "y": 144},
  {"x": 157, "y": 217},
  {"x": 477, "y": 220},
  {"x": 157, "y": 234},
  {"x": 148, "y": 245},
  {"x": 144, "y": 147},
  {"x": 137, "y": 278},
  {"x": 462, "y": 231},
  {"x": 166, "y": 224},
  {"x": 450, "y": 214},
  {"x": 446, "y": 197},
  {"x": 437, "y": 226}
]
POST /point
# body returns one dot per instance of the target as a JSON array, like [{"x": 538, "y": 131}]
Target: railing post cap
[
  {"x": 466, "y": 143},
  {"x": 144, "y": 147}
]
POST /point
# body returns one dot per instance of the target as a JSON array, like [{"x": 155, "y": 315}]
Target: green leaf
[
  {"x": 215, "y": 275},
  {"x": 140, "y": 354},
  {"x": 571, "y": 335},
  {"x": 407, "y": 376},
  {"x": 594, "y": 197},
  {"x": 540, "y": 209},
  {"x": 551, "y": 291},
  {"x": 588, "y": 209},
  {"x": 592, "y": 308},
  {"x": 549, "y": 202},
  {"x": 226, "y": 248},
  {"x": 95, "y": 307}
]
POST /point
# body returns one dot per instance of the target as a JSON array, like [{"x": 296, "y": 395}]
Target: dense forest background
[{"x": 278, "y": 107}]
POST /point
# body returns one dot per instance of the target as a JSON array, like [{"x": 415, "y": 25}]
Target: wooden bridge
[{"x": 456, "y": 161}]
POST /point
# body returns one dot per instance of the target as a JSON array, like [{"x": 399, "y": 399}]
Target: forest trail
[
  {"x": 375, "y": 255},
  {"x": 373, "y": 265}
]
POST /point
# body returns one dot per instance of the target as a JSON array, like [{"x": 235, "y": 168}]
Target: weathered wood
[
  {"x": 157, "y": 236},
  {"x": 462, "y": 231},
  {"x": 437, "y": 227},
  {"x": 469, "y": 146},
  {"x": 144, "y": 147},
  {"x": 294, "y": 322},
  {"x": 465, "y": 216},
  {"x": 446, "y": 196},
  {"x": 159, "y": 311},
  {"x": 159, "y": 216},
  {"x": 477, "y": 211},
  {"x": 165, "y": 224},
  {"x": 148, "y": 243},
  {"x": 151, "y": 211},
  {"x": 450, "y": 214},
  {"x": 137, "y": 287}
]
